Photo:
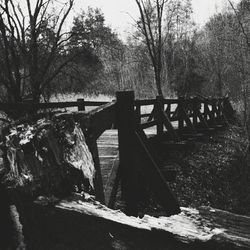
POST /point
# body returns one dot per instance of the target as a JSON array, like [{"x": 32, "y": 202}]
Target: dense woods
[{"x": 165, "y": 53}]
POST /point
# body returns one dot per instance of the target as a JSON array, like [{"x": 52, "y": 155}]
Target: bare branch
[
  {"x": 240, "y": 23},
  {"x": 56, "y": 72}
]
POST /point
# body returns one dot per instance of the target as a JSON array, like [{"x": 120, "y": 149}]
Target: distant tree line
[{"x": 165, "y": 53}]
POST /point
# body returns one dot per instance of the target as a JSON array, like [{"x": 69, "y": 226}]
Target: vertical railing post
[
  {"x": 206, "y": 111},
  {"x": 219, "y": 109},
  {"x": 138, "y": 114},
  {"x": 81, "y": 104},
  {"x": 180, "y": 114},
  {"x": 195, "y": 111},
  {"x": 126, "y": 133},
  {"x": 228, "y": 109},
  {"x": 168, "y": 110},
  {"x": 213, "y": 111},
  {"x": 159, "y": 107}
]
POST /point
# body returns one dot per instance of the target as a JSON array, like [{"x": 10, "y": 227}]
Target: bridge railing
[
  {"x": 182, "y": 114},
  {"x": 174, "y": 119},
  {"x": 27, "y": 107}
]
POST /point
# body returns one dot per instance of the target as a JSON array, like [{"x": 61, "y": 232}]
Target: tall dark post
[
  {"x": 213, "y": 111},
  {"x": 159, "y": 107},
  {"x": 126, "y": 135},
  {"x": 219, "y": 110},
  {"x": 138, "y": 114},
  {"x": 81, "y": 104},
  {"x": 180, "y": 114},
  {"x": 206, "y": 111},
  {"x": 195, "y": 111},
  {"x": 228, "y": 110}
]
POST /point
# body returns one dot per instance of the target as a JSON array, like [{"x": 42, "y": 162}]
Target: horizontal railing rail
[
  {"x": 50, "y": 105},
  {"x": 144, "y": 102}
]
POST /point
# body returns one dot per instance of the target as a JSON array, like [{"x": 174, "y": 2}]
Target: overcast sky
[{"x": 119, "y": 13}]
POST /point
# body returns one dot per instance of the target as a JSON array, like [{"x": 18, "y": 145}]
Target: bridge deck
[{"x": 108, "y": 151}]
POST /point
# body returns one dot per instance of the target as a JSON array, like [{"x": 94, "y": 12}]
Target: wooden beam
[
  {"x": 206, "y": 111},
  {"x": 215, "y": 108},
  {"x": 201, "y": 117},
  {"x": 49, "y": 105},
  {"x": 209, "y": 113},
  {"x": 187, "y": 120},
  {"x": 152, "y": 115},
  {"x": 126, "y": 127},
  {"x": 195, "y": 108},
  {"x": 98, "y": 183},
  {"x": 153, "y": 175},
  {"x": 158, "y": 113},
  {"x": 174, "y": 116},
  {"x": 167, "y": 123},
  {"x": 111, "y": 186},
  {"x": 138, "y": 114},
  {"x": 145, "y": 102},
  {"x": 81, "y": 104},
  {"x": 223, "y": 115},
  {"x": 180, "y": 115},
  {"x": 168, "y": 110},
  {"x": 228, "y": 110},
  {"x": 213, "y": 112},
  {"x": 101, "y": 119},
  {"x": 202, "y": 120},
  {"x": 149, "y": 124}
]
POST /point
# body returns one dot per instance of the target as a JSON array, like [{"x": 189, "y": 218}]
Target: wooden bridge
[
  {"x": 169, "y": 122},
  {"x": 122, "y": 139}
]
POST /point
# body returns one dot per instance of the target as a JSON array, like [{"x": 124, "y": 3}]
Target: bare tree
[
  {"x": 151, "y": 26},
  {"x": 32, "y": 46},
  {"x": 243, "y": 23}
]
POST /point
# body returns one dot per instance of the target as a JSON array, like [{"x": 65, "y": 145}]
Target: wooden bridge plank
[
  {"x": 112, "y": 183},
  {"x": 108, "y": 153}
]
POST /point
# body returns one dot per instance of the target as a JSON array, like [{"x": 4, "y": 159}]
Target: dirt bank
[{"x": 215, "y": 172}]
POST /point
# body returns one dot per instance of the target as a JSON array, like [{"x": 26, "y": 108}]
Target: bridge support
[
  {"x": 136, "y": 158},
  {"x": 81, "y": 104},
  {"x": 126, "y": 127}
]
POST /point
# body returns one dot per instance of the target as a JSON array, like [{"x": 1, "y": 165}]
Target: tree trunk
[{"x": 158, "y": 81}]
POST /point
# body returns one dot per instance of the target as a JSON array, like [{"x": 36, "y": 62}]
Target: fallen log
[
  {"x": 42, "y": 157},
  {"x": 69, "y": 219},
  {"x": 46, "y": 156}
]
